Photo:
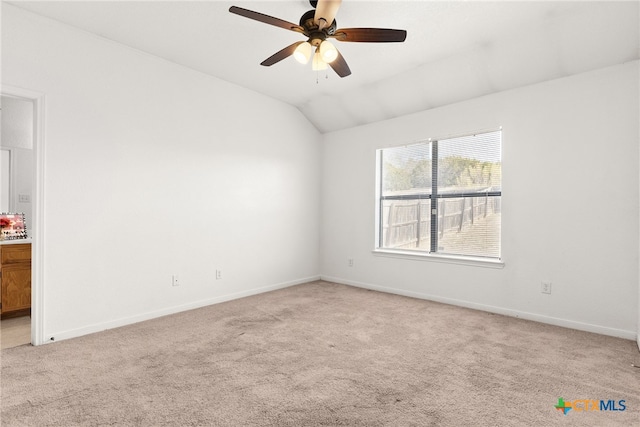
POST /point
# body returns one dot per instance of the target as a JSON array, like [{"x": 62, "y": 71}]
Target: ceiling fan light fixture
[
  {"x": 318, "y": 64},
  {"x": 318, "y": 25},
  {"x": 302, "y": 52},
  {"x": 328, "y": 51}
]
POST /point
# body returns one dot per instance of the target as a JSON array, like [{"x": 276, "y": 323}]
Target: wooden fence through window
[{"x": 407, "y": 223}]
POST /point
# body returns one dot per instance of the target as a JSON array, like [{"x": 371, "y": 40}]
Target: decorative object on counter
[
  {"x": 4, "y": 223},
  {"x": 12, "y": 226}
]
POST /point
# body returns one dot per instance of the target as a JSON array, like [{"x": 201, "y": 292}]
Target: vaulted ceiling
[{"x": 455, "y": 50}]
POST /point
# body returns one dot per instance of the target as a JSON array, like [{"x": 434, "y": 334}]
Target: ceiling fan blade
[
  {"x": 340, "y": 66},
  {"x": 369, "y": 35},
  {"x": 266, "y": 19},
  {"x": 280, "y": 55},
  {"x": 326, "y": 11}
]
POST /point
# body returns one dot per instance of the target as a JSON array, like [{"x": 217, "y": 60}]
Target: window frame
[{"x": 431, "y": 254}]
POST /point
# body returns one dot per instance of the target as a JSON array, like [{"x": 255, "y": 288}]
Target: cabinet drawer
[{"x": 19, "y": 253}]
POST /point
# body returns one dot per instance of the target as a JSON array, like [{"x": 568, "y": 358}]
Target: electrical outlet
[
  {"x": 218, "y": 274},
  {"x": 174, "y": 280},
  {"x": 545, "y": 287},
  {"x": 350, "y": 262}
]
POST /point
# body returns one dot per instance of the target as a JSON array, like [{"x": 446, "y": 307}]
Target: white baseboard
[
  {"x": 571, "y": 324},
  {"x": 97, "y": 327}
]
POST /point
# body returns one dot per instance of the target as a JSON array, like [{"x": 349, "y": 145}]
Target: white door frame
[{"x": 38, "y": 240}]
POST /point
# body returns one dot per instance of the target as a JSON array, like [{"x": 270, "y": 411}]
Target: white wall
[
  {"x": 24, "y": 184},
  {"x": 570, "y": 203},
  {"x": 17, "y": 123},
  {"x": 152, "y": 169}
]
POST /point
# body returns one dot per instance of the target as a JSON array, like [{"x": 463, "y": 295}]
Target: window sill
[{"x": 450, "y": 259}]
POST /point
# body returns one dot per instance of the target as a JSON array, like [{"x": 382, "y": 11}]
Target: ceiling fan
[{"x": 318, "y": 26}]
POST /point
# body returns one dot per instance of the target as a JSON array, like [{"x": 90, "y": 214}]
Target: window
[{"x": 442, "y": 196}]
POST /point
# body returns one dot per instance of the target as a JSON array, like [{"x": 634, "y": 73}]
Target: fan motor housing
[{"x": 307, "y": 22}]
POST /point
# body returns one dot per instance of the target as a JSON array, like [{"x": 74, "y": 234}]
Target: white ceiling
[{"x": 455, "y": 50}]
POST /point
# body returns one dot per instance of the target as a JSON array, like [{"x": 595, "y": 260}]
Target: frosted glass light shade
[
  {"x": 328, "y": 51},
  {"x": 318, "y": 64},
  {"x": 303, "y": 52}
]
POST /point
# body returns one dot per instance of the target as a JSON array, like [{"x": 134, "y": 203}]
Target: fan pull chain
[{"x": 326, "y": 76}]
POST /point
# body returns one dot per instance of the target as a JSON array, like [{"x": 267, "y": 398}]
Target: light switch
[{"x": 24, "y": 198}]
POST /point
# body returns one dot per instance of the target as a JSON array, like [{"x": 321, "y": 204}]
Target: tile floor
[{"x": 15, "y": 332}]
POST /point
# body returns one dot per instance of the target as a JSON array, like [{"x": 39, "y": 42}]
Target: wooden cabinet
[{"x": 15, "y": 279}]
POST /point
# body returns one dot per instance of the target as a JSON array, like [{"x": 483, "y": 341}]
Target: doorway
[{"x": 22, "y": 192}]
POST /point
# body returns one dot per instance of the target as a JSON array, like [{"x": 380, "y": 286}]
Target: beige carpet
[{"x": 322, "y": 354}]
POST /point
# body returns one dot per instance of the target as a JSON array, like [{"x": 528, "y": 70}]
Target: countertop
[{"x": 15, "y": 242}]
